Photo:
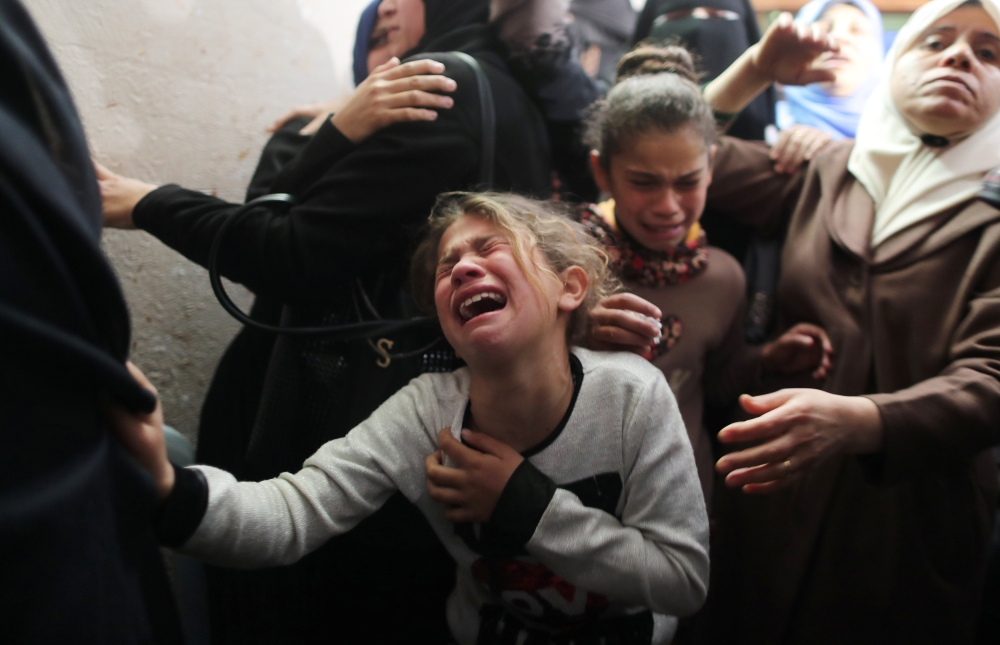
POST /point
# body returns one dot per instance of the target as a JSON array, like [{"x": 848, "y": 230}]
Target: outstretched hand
[
  {"x": 624, "y": 322},
  {"x": 803, "y": 347},
  {"x": 392, "y": 93},
  {"x": 119, "y": 195},
  {"x": 470, "y": 491},
  {"x": 797, "y": 430},
  {"x": 142, "y": 437},
  {"x": 788, "y": 50}
]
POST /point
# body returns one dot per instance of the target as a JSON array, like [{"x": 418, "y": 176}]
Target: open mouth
[
  {"x": 673, "y": 231},
  {"x": 481, "y": 303}
]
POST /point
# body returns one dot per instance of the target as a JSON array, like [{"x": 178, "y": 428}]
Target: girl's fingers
[
  {"x": 486, "y": 444},
  {"x": 444, "y": 476},
  {"x": 462, "y": 455},
  {"x": 444, "y": 494}
]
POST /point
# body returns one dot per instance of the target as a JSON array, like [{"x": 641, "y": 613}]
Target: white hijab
[{"x": 907, "y": 180}]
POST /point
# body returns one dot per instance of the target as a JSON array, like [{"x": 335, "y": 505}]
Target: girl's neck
[{"x": 520, "y": 402}]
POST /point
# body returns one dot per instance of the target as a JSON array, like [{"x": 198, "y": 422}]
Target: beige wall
[{"x": 181, "y": 91}]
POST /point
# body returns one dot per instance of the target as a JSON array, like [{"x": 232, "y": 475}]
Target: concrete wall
[{"x": 181, "y": 91}]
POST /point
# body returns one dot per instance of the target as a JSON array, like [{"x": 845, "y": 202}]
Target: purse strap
[
  {"x": 371, "y": 328},
  {"x": 488, "y": 119}
]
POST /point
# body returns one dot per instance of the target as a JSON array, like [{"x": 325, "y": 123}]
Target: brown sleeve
[
  {"x": 746, "y": 188},
  {"x": 944, "y": 421}
]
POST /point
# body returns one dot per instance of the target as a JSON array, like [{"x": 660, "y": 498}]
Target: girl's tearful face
[
  {"x": 659, "y": 184},
  {"x": 486, "y": 303}
]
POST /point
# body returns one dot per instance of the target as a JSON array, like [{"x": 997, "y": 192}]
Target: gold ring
[{"x": 786, "y": 464}]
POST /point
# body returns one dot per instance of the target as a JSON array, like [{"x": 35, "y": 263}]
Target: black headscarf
[
  {"x": 718, "y": 43},
  {"x": 454, "y": 25}
]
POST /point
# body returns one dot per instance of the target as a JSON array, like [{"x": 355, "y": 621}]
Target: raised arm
[
  {"x": 784, "y": 54},
  {"x": 359, "y": 211}
]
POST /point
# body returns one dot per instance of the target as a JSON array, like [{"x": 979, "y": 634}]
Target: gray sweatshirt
[{"x": 604, "y": 520}]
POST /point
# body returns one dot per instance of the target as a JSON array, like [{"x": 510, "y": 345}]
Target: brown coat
[{"x": 888, "y": 548}]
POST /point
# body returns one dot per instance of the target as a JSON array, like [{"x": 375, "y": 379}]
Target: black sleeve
[
  {"x": 523, "y": 502},
  {"x": 280, "y": 149},
  {"x": 323, "y": 150},
  {"x": 179, "y": 515},
  {"x": 362, "y": 209}
]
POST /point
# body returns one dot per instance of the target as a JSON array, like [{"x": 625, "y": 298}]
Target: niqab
[{"x": 453, "y": 25}]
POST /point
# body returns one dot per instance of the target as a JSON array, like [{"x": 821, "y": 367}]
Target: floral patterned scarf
[{"x": 637, "y": 264}]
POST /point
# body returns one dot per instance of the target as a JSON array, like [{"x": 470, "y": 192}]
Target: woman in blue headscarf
[{"x": 813, "y": 115}]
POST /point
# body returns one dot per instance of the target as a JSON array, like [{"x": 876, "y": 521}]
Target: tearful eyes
[{"x": 446, "y": 267}]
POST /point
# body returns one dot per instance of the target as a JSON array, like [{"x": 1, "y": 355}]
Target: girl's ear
[
  {"x": 576, "y": 283},
  {"x": 600, "y": 175}
]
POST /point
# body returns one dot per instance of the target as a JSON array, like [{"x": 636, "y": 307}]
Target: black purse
[{"x": 330, "y": 368}]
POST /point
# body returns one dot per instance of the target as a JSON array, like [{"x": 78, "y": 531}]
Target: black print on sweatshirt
[{"x": 539, "y": 597}]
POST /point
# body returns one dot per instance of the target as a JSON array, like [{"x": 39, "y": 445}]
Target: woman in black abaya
[{"x": 358, "y": 206}]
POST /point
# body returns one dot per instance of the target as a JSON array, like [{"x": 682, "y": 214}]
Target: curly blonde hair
[{"x": 530, "y": 224}]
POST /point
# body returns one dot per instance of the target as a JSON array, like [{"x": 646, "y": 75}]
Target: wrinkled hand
[
  {"x": 797, "y": 431},
  {"x": 796, "y": 145},
  {"x": 787, "y": 52},
  {"x": 803, "y": 347},
  {"x": 624, "y": 322},
  {"x": 470, "y": 491},
  {"x": 142, "y": 437},
  {"x": 119, "y": 195}
]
